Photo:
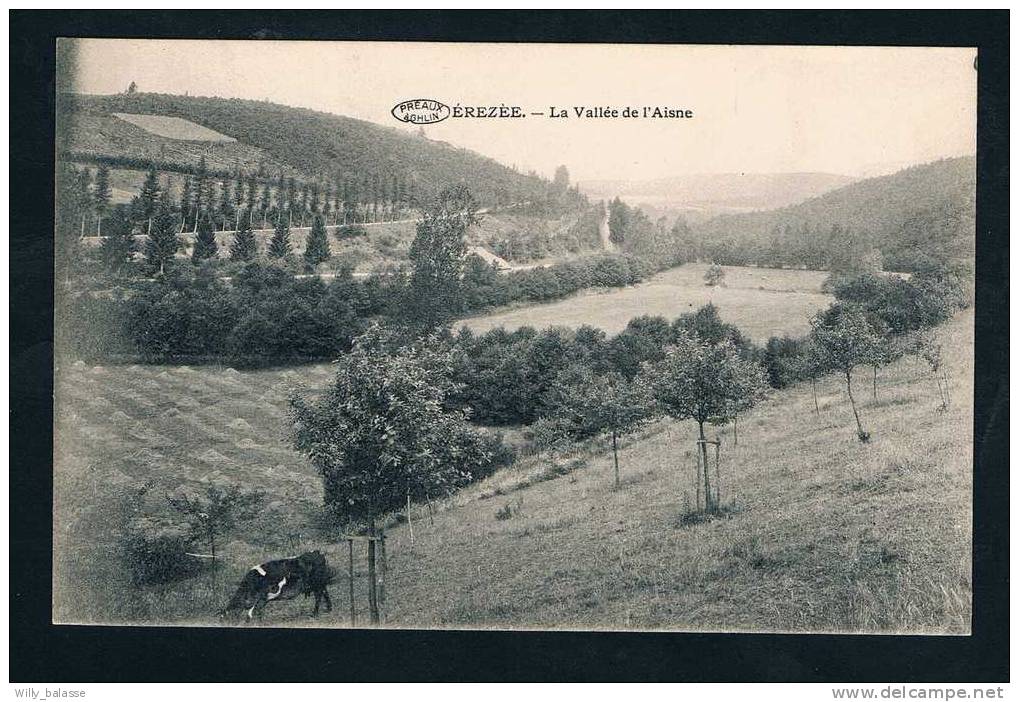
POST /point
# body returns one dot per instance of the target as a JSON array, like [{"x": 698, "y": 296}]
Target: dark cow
[{"x": 285, "y": 579}]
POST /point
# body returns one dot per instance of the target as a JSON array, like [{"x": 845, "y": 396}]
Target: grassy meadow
[
  {"x": 762, "y": 302},
  {"x": 827, "y": 534}
]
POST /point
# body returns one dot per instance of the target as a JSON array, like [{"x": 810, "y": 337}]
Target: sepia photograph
[{"x": 499, "y": 336}]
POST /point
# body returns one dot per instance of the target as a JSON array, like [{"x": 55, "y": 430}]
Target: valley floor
[{"x": 762, "y": 302}]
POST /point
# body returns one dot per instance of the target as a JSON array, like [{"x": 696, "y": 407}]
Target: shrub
[
  {"x": 155, "y": 550},
  {"x": 350, "y": 231}
]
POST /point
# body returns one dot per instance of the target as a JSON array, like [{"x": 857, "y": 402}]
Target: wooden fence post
[
  {"x": 697, "y": 481},
  {"x": 382, "y": 578},
  {"x": 350, "y": 566},
  {"x": 373, "y": 592},
  {"x": 718, "y": 474}
]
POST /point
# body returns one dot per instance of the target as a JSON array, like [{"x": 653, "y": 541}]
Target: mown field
[
  {"x": 762, "y": 302},
  {"x": 829, "y": 534}
]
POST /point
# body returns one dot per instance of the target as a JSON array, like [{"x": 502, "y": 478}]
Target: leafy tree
[
  {"x": 101, "y": 196},
  {"x": 609, "y": 403},
  {"x": 316, "y": 251},
  {"x": 382, "y": 431},
  {"x": 163, "y": 242},
  {"x": 844, "y": 339},
  {"x": 888, "y": 350},
  {"x": 926, "y": 346},
  {"x": 279, "y": 245},
  {"x": 438, "y": 255},
  {"x": 244, "y": 246},
  {"x": 619, "y": 221},
  {"x": 205, "y": 241},
  {"x": 551, "y": 437},
  {"x": 215, "y": 511},
  {"x": 714, "y": 275},
  {"x": 782, "y": 360},
  {"x": 643, "y": 340},
  {"x": 561, "y": 180},
  {"x": 701, "y": 381}
]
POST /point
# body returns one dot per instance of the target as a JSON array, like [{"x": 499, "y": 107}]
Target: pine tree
[
  {"x": 336, "y": 200},
  {"x": 239, "y": 191},
  {"x": 279, "y": 246},
  {"x": 118, "y": 245},
  {"x": 203, "y": 190},
  {"x": 163, "y": 242},
  {"x": 265, "y": 203},
  {"x": 148, "y": 199},
  {"x": 244, "y": 247},
  {"x": 314, "y": 202},
  {"x": 302, "y": 207},
  {"x": 205, "y": 241},
  {"x": 225, "y": 204},
  {"x": 101, "y": 196},
  {"x": 186, "y": 201},
  {"x": 252, "y": 195},
  {"x": 317, "y": 249}
]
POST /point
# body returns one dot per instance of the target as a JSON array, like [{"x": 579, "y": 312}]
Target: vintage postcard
[{"x": 514, "y": 336}]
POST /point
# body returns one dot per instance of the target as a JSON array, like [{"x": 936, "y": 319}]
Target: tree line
[{"x": 875, "y": 320}]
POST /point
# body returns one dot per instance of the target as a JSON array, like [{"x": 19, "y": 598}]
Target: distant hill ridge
[{"x": 922, "y": 212}]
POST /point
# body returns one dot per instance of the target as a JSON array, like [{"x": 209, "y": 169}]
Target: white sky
[{"x": 849, "y": 110}]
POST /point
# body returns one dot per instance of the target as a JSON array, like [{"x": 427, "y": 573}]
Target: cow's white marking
[
  {"x": 279, "y": 590},
  {"x": 251, "y": 612},
  {"x": 260, "y": 569}
]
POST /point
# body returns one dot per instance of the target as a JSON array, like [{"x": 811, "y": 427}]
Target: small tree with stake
[
  {"x": 550, "y": 436},
  {"x": 701, "y": 381},
  {"x": 927, "y": 347},
  {"x": 608, "y": 403},
  {"x": 382, "y": 431},
  {"x": 214, "y": 511},
  {"x": 844, "y": 339},
  {"x": 888, "y": 350}
]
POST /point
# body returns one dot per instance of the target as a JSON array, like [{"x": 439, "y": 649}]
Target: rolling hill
[
  {"x": 175, "y": 131},
  {"x": 913, "y": 216}
]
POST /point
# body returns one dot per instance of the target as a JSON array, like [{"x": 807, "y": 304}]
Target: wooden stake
[
  {"x": 410, "y": 525},
  {"x": 373, "y": 584},
  {"x": 382, "y": 579},
  {"x": 350, "y": 567}
]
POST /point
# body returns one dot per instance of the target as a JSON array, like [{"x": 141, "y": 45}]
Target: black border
[{"x": 46, "y": 653}]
